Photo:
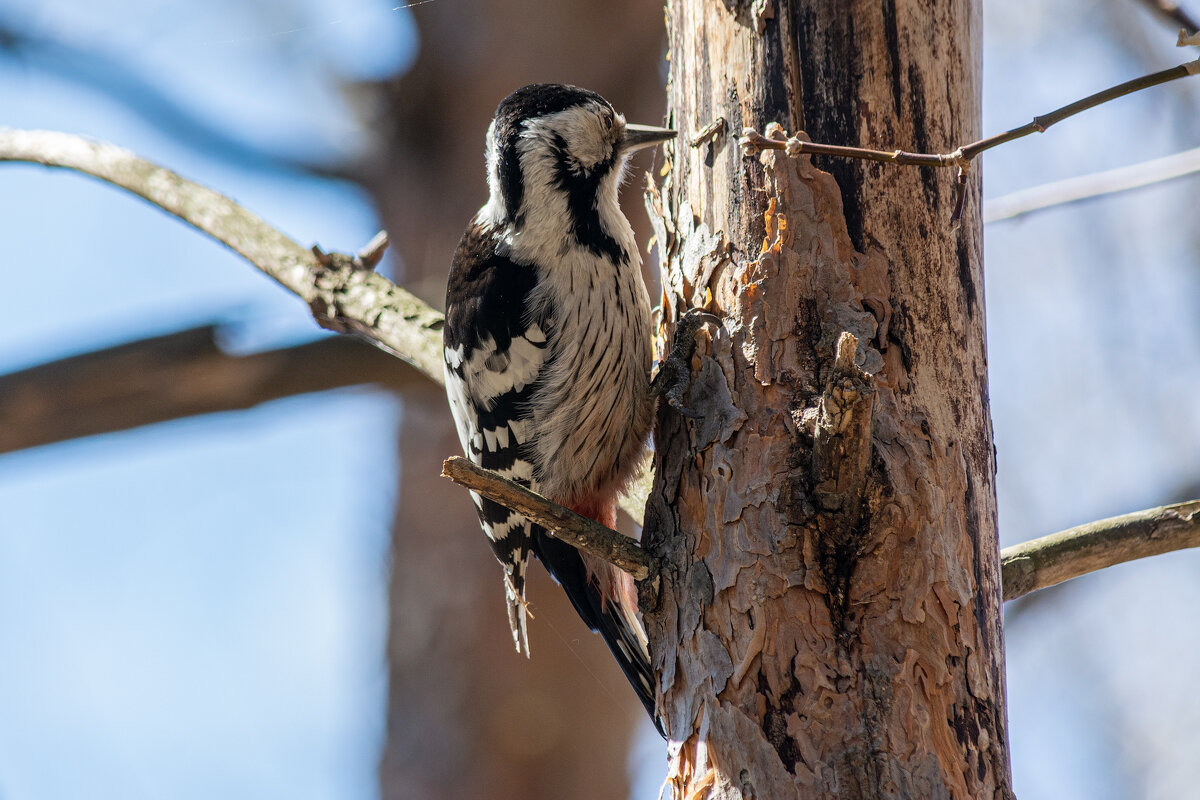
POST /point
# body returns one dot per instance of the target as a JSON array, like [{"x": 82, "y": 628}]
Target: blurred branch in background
[
  {"x": 157, "y": 106},
  {"x": 1085, "y": 187},
  {"x": 1172, "y": 13},
  {"x": 170, "y": 377}
]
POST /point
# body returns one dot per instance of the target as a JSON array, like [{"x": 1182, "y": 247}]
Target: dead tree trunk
[{"x": 832, "y": 624}]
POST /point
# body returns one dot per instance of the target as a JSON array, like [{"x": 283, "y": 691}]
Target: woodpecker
[{"x": 547, "y": 346}]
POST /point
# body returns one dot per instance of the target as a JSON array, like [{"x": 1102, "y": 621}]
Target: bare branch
[
  {"x": 174, "y": 376},
  {"x": 710, "y": 131},
  {"x": 1098, "y": 184},
  {"x": 578, "y": 531},
  {"x": 1077, "y": 551},
  {"x": 366, "y": 303},
  {"x": 752, "y": 141},
  {"x": 1041, "y": 123}
]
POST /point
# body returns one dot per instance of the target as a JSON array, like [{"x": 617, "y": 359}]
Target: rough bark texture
[{"x": 825, "y": 636}]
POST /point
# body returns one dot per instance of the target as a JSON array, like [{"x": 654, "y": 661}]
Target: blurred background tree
[{"x": 203, "y": 606}]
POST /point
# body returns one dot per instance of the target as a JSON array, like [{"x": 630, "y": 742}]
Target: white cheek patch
[{"x": 588, "y": 140}]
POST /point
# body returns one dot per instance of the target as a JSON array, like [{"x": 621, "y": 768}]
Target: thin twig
[
  {"x": 1061, "y": 556},
  {"x": 752, "y": 141},
  {"x": 1098, "y": 184},
  {"x": 710, "y": 131},
  {"x": 1040, "y": 124},
  {"x": 578, "y": 531}
]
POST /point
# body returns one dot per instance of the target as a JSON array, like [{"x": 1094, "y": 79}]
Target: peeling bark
[{"x": 829, "y": 624}]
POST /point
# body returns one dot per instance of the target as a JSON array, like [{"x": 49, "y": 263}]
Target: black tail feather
[{"x": 565, "y": 565}]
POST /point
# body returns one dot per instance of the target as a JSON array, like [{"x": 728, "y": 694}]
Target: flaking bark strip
[
  {"x": 841, "y": 453},
  {"x": 841, "y": 457}
]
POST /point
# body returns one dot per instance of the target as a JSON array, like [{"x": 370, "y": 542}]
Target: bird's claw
[
  {"x": 693, "y": 318},
  {"x": 684, "y": 410}
]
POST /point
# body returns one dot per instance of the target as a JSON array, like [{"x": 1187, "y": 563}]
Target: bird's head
[{"x": 556, "y": 150}]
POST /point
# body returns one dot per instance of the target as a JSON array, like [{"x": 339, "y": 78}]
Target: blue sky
[
  {"x": 197, "y": 609},
  {"x": 1094, "y": 351}
]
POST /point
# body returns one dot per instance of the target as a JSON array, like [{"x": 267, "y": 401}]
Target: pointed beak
[{"x": 639, "y": 136}]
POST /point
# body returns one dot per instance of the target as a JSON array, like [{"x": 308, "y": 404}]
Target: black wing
[{"x": 494, "y": 352}]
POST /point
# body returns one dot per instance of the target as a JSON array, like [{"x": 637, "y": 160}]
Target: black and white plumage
[{"x": 548, "y": 346}]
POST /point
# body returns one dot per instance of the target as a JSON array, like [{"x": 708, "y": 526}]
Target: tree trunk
[{"x": 831, "y": 626}]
